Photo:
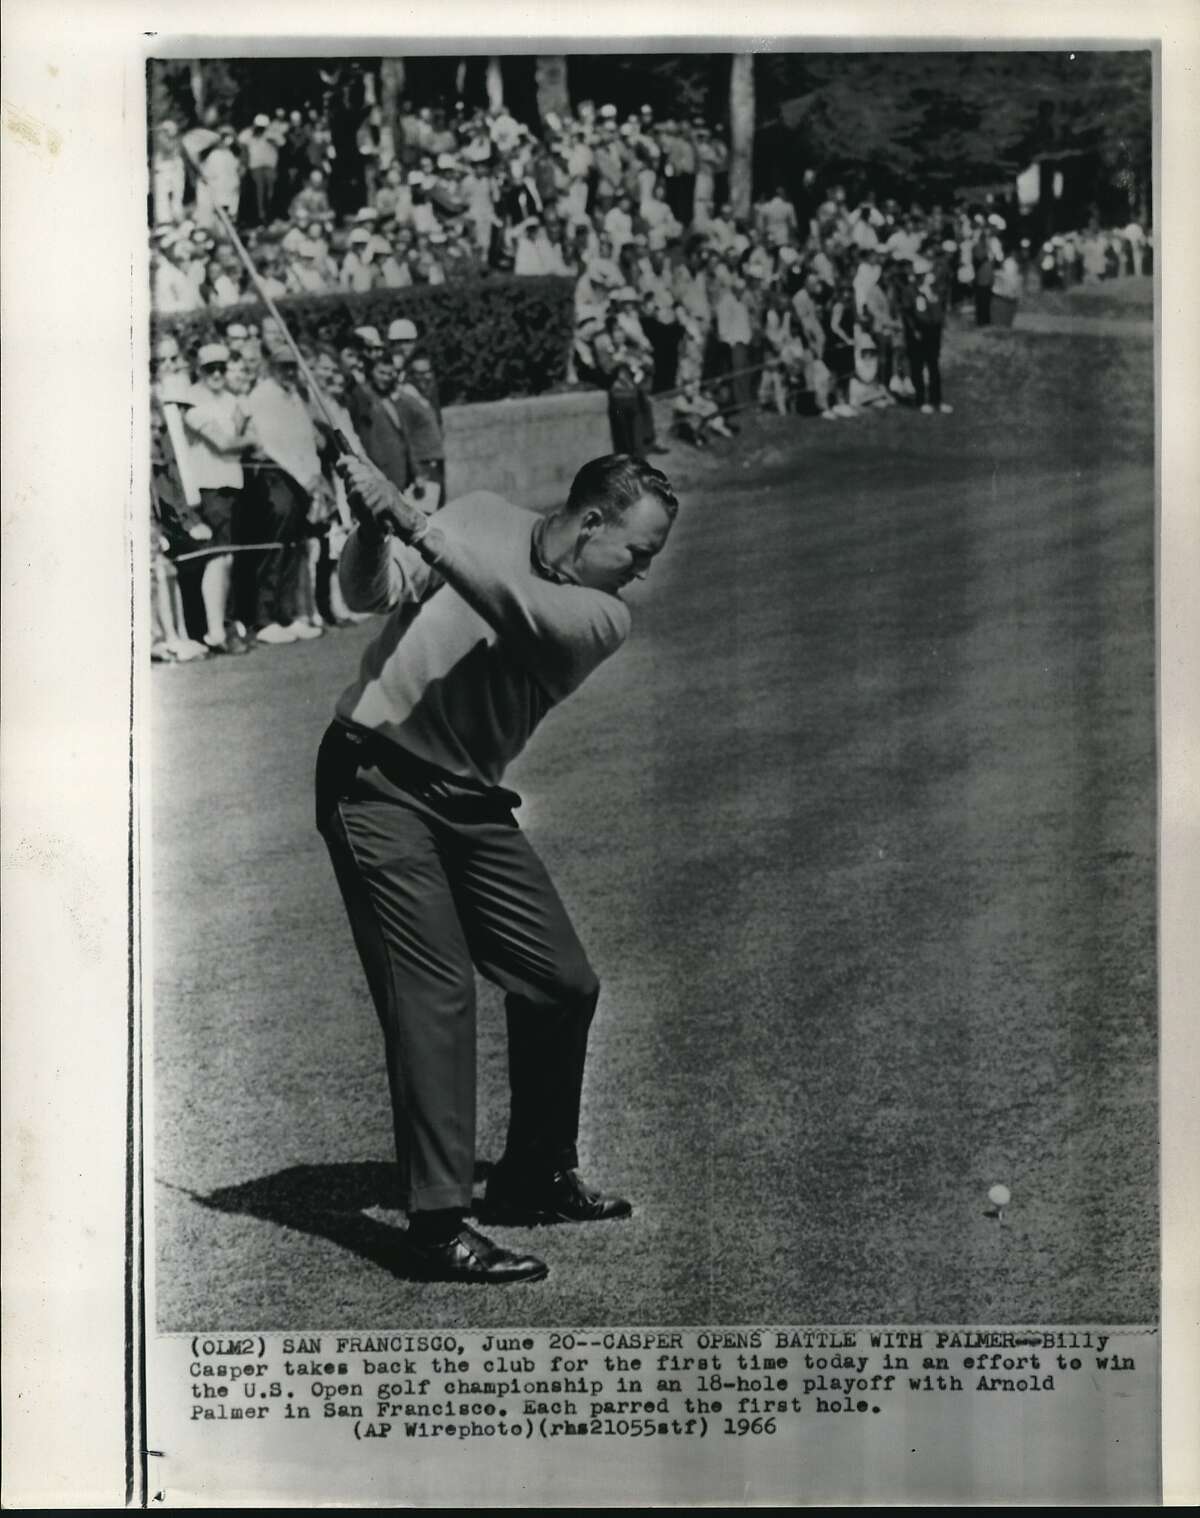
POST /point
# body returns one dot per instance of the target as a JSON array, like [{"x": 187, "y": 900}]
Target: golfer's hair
[{"x": 613, "y": 483}]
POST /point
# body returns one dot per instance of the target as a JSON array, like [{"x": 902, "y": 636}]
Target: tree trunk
[
  {"x": 495, "y": 83},
  {"x": 741, "y": 132},
  {"x": 197, "y": 83},
  {"x": 552, "y": 95},
  {"x": 391, "y": 89}
]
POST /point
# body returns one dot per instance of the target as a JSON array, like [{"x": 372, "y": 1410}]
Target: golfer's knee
[{"x": 576, "y": 984}]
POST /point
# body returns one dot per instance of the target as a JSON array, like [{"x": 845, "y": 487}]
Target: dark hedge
[{"x": 490, "y": 339}]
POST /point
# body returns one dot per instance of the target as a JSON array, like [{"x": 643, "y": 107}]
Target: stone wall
[{"x": 526, "y": 450}]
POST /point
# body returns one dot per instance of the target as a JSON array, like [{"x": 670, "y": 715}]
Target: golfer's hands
[{"x": 372, "y": 495}]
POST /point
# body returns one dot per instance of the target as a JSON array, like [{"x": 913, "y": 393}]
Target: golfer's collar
[{"x": 538, "y": 560}]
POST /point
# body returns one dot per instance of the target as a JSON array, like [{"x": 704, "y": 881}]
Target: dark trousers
[
  {"x": 264, "y": 193},
  {"x": 924, "y": 346},
  {"x": 983, "y": 305},
  {"x": 274, "y": 510},
  {"x": 735, "y": 362},
  {"x": 435, "y": 889},
  {"x": 664, "y": 339},
  {"x": 681, "y": 196},
  {"x": 631, "y": 421}
]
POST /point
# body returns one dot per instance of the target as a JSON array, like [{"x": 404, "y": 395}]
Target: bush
[{"x": 489, "y": 338}]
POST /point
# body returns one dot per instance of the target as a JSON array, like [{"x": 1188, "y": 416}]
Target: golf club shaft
[{"x": 363, "y": 517}]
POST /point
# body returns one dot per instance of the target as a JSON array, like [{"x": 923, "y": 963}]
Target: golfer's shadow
[{"x": 331, "y": 1202}]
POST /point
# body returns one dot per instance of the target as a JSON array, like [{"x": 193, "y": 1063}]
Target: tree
[
  {"x": 741, "y": 132},
  {"x": 391, "y": 90},
  {"x": 551, "y": 77},
  {"x": 495, "y": 83}
]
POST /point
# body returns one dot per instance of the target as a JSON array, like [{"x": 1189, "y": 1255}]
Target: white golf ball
[{"x": 1000, "y": 1196}]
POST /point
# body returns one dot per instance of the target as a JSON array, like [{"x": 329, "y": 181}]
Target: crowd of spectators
[
  {"x": 817, "y": 300},
  {"x": 248, "y": 513}
]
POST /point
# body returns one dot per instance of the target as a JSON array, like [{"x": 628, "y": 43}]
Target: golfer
[{"x": 494, "y": 615}]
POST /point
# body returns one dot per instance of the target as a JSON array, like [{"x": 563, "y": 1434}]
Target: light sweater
[
  {"x": 216, "y": 439},
  {"x": 478, "y": 645},
  {"x": 283, "y": 430}
]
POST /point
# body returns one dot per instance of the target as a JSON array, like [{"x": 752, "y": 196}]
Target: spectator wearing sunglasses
[{"x": 216, "y": 425}]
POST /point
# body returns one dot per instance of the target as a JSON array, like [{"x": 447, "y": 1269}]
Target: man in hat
[
  {"x": 378, "y": 422},
  {"x": 218, "y": 435},
  {"x": 393, "y": 200},
  {"x": 304, "y": 277},
  {"x": 734, "y": 335},
  {"x": 394, "y": 267},
  {"x": 262, "y": 160},
  {"x": 494, "y": 615},
  {"x": 680, "y": 156},
  {"x": 503, "y": 130},
  {"x": 660, "y": 221},
  {"x": 220, "y": 181},
  {"x": 776, "y": 219},
  {"x": 922, "y": 301},
  {"x": 313, "y": 200},
  {"x": 284, "y": 433},
  {"x": 170, "y": 288},
  {"x": 359, "y": 271},
  {"x": 402, "y": 338},
  {"x": 415, "y": 399}
]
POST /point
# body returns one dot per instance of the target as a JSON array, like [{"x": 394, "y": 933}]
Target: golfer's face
[{"x": 617, "y": 553}]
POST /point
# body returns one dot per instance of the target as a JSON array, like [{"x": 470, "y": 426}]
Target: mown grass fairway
[{"x": 859, "y": 830}]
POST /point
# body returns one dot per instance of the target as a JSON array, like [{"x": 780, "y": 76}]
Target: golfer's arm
[{"x": 376, "y": 574}]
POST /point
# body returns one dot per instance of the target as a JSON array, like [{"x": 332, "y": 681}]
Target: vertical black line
[
  {"x": 135, "y": 1278},
  {"x": 131, "y": 1095}
]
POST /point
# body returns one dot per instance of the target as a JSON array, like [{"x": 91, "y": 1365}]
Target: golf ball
[{"x": 1000, "y": 1196}]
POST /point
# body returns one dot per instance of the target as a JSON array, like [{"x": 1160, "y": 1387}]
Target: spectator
[
  {"x": 171, "y": 290},
  {"x": 379, "y": 424},
  {"x": 881, "y": 320},
  {"x": 839, "y": 350},
  {"x": 402, "y": 337},
  {"x": 415, "y": 398},
  {"x": 535, "y": 254},
  {"x": 286, "y": 438},
  {"x": 981, "y": 260},
  {"x": 262, "y": 161},
  {"x": 734, "y": 335},
  {"x": 697, "y": 415},
  {"x": 303, "y": 275},
  {"x": 359, "y": 272},
  {"x": 368, "y": 142},
  {"x": 176, "y": 528},
  {"x": 709, "y": 162},
  {"x": 312, "y": 202},
  {"x": 219, "y": 288},
  {"x": 625, "y": 409},
  {"x": 168, "y": 179},
  {"x": 923, "y": 310},
  {"x": 219, "y": 185},
  {"x": 394, "y": 269},
  {"x": 660, "y": 221},
  {"x": 777, "y": 219},
  {"x": 217, "y": 432}
]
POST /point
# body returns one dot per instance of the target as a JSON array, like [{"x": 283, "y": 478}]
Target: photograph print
[{"x": 698, "y": 867}]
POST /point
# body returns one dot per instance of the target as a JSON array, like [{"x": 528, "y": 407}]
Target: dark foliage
[{"x": 489, "y": 338}]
